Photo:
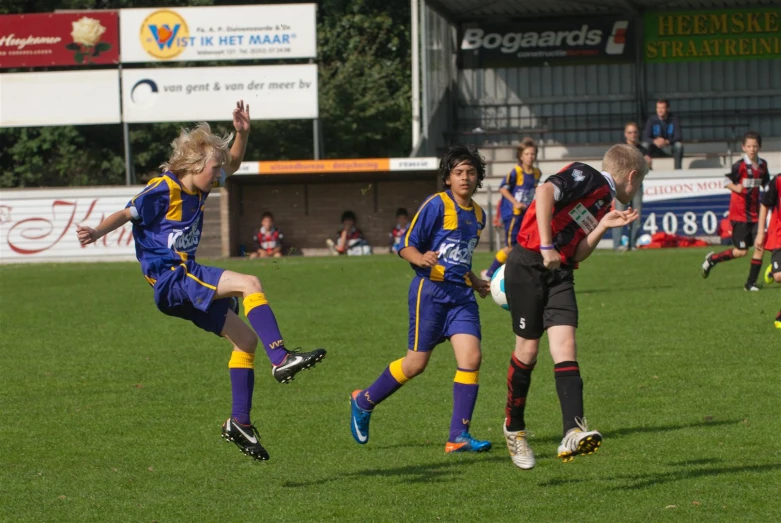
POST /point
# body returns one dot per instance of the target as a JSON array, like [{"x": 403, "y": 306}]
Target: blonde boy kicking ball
[{"x": 167, "y": 221}]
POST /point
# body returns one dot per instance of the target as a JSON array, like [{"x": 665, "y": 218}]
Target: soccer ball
[{"x": 497, "y": 288}]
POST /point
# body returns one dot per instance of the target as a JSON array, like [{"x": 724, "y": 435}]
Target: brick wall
[
  {"x": 308, "y": 212},
  {"x": 211, "y": 237}
]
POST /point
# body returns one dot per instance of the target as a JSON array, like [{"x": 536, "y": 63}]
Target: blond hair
[
  {"x": 194, "y": 147},
  {"x": 623, "y": 158}
]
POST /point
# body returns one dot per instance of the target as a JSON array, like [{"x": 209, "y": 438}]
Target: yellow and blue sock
[
  {"x": 465, "y": 387},
  {"x": 391, "y": 380},
  {"x": 242, "y": 372},
  {"x": 499, "y": 260},
  {"x": 262, "y": 319}
]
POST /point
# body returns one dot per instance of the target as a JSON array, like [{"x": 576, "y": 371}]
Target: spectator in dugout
[
  {"x": 632, "y": 137},
  {"x": 399, "y": 230},
  {"x": 350, "y": 239},
  {"x": 268, "y": 239},
  {"x": 662, "y": 135}
]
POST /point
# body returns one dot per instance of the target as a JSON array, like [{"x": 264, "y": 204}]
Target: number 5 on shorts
[{"x": 522, "y": 323}]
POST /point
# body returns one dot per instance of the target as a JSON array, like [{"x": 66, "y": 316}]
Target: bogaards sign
[{"x": 589, "y": 40}]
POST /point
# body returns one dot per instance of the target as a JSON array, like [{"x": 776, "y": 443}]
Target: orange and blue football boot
[{"x": 466, "y": 443}]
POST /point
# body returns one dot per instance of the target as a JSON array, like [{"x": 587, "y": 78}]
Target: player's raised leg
[
  {"x": 362, "y": 402},
  {"x": 466, "y": 385},
  {"x": 286, "y": 364},
  {"x": 569, "y": 387},
  {"x": 238, "y": 428},
  {"x": 519, "y": 377}
]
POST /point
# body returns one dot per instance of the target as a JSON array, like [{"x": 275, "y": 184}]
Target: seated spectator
[
  {"x": 350, "y": 240},
  {"x": 399, "y": 231},
  {"x": 662, "y": 134},
  {"x": 631, "y": 135},
  {"x": 268, "y": 239}
]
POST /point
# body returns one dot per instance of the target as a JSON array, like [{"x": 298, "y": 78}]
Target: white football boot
[
  {"x": 579, "y": 441},
  {"x": 520, "y": 451}
]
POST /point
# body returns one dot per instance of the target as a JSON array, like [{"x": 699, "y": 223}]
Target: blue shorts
[
  {"x": 187, "y": 291},
  {"x": 512, "y": 226},
  {"x": 438, "y": 310}
]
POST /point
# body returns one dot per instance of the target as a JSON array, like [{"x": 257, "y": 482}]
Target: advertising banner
[
  {"x": 251, "y": 32},
  {"x": 688, "y": 207},
  {"x": 59, "y": 98},
  {"x": 40, "y": 225},
  {"x": 726, "y": 34},
  {"x": 45, "y": 39},
  {"x": 534, "y": 42},
  {"x": 274, "y": 92},
  {"x": 368, "y": 165}
]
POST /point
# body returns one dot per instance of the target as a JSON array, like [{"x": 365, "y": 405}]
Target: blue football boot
[
  {"x": 466, "y": 443},
  {"x": 359, "y": 420}
]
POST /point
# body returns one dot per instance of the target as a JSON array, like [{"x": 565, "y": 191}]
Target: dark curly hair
[{"x": 457, "y": 154}]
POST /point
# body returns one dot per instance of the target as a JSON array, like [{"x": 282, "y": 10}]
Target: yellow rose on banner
[{"x": 87, "y": 31}]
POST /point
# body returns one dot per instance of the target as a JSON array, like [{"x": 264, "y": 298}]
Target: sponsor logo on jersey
[
  {"x": 184, "y": 240},
  {"x": 584, "y": 218},
  {"x": 457, "y": 252}
]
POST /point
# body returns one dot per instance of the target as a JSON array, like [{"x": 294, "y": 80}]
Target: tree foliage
[{"x": 364, "y": 96}]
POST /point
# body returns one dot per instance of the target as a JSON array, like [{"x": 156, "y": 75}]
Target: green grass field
[{"x": 111, "y": 411}]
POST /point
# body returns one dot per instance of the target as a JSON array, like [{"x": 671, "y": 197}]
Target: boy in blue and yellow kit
[
  {"x": 517, "y": 191},
  {"x": 167, "y": 221},
  {"x": 439, "y": 246}
]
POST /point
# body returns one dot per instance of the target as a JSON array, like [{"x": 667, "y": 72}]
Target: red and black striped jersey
[
  {"x": 744, "y": 207},
  {"x": 772, "y": 200},
  {"x": 582, "y": 197}
]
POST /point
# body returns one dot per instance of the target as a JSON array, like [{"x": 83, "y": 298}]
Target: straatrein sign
[{"x": 697, "y": 36}]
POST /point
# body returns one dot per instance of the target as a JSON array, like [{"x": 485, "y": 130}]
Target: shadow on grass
[
  {"x": 611, "y": 290},
  {"x": 420, "y": 473},
  {"x": 628, "y": 431},
  {"x": 685, "y": 470}
]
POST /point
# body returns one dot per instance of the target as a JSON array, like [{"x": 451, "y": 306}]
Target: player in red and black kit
[
  {"x": 562, "y": 227},
  {"x": 747, "y": 176},
  {"x": 771, "y": 241},
  {"x": 268, "y": 239}
]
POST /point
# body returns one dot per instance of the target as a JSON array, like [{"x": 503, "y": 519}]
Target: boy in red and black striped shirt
[
  {"x": 562, "y": 227},
  {"x": 771, "y": 241},
  {"x": 747, "y": 176}
]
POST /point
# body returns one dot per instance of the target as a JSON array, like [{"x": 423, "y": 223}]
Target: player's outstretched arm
[
  {"x": 241, "y": 122},
  {"x": 609, "y": 221},
  {"x": 415, "y": 257},
  {"x": 89, "y": 235}
]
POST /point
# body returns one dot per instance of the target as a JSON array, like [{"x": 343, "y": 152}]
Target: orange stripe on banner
[{"x": 325, "y": 166}]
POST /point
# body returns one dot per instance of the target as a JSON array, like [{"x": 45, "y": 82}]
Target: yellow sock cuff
[
  {"x": 254, "y": 300},
  {"x": 397, "y": 373},
  {"x": 467, "y": 377},
  {"x": 501, "y": 257},
  {"x": 242, "y": 360}
]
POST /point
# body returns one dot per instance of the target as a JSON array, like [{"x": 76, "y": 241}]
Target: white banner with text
[
  {"x": 251, "y": 32},
  {"x": 274, "y": 92}
]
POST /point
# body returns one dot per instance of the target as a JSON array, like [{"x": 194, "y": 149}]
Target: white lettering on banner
[
  {"x": 249, "y": 32},
  {"x": 584, "y": 218},
  {"x": 476, "y": 38},
  {"x": 208, "y": 93},
  {"x": 457, "y": 252},
  {"x": 20, "y": 43},
  {"x": 414, "y": 164}
]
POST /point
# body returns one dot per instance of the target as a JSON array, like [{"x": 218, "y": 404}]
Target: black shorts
[
  {"x": 538, "y": 298},
  {"x": 775, "y": 262},
  {"x": 744, "y": 234}
]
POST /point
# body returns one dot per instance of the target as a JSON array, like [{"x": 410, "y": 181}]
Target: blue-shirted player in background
[
  {"x": 167, "y": 221},
  {"x": 439, "y": 245},
  {"x": 517, "y": 194}
]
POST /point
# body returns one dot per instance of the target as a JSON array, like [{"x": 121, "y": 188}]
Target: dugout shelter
[{"x": 308, "y": 197}]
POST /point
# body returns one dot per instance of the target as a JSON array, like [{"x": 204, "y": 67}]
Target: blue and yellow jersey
[
  {"x": 443, "y": 226},
  {"x": 167, "y": 224},
  {"x": 521, "y": 185}
]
